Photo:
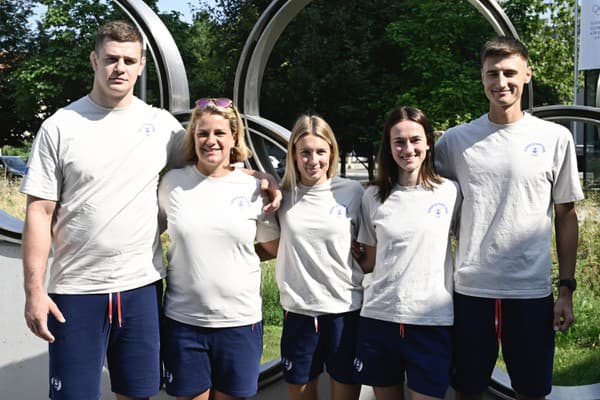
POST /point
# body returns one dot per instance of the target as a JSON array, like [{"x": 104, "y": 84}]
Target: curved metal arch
[
  {"x": 568, "y": 113},
  {"x": 275, "y": 19},
  {"x": 598, "y": 92},
  {"x": 172, "y": 78}
]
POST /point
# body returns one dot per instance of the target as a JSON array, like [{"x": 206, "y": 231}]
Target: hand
[
  {"x": 269, "y": 188},
  {"x": 37, "y": 308},
  {"x": 357, "y": 250},
  {"x": 273, "y": 193},
  {"x": 563, "y": 312}
]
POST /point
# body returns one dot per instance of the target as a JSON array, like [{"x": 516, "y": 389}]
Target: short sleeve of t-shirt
[{"x": 366, "y": 233}]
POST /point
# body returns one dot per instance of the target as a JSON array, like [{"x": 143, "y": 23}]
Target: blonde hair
[
  {"x": 309, "y": 125},
  {"x": 239, "y": 152}
]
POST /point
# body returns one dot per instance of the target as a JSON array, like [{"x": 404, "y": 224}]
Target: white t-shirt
[
  {"x": 101, "y": 166},
  {"x": 315, "y": 270},
  {"x": 510, "y": 176},
  {"x": 411, "y": 282},
  {"x": 213, "y": 276}
]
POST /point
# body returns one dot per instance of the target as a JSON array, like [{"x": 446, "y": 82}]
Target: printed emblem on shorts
[
  {"x": 535, "y": 149},
  {"x": 358, "y": 365},
  {"x": 339, "y": 211},
  {"x": 168, "y": 376},
  {"x": 240, "y": 202},
  {"x": 147, "y": 129},
  {"x": 55, "y": 383},
  {"x": 287, "y": 364},
  {"x": 438, "y": 210}
]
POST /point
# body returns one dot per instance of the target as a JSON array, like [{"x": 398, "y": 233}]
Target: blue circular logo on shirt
[
  {"x": 438, "y": 210},
  {"x": 339, "y": 211},
  {"x": 535, "y": 149},
  {"x": 240, "y": 202},
  {"x": 147, "y": 129}
]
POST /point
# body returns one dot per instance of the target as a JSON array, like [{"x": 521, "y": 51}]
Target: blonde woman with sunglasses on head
[
  {"x": 320, "y": 283},
  {"x": 212, "y": 331}
]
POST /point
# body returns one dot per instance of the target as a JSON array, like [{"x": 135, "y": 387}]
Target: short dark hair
[
  {"x": 503, "y": 46},
  {"x": 119, "y": 31},
  {"x": 387, "y": 169}
]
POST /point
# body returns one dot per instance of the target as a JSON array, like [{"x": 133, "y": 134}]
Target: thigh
[
  {"x": 378, "y": 360},
  {"x": 528, "y": 344},
  {"x": 78, "y": 353},
  {"x": 185, "y": 354},
  {"x": 134, "y": 348},
  {"x": 340, "y": 346},
  {"x": 301, "y": 358},
  {"x": 475, "y": 348},
  {"x": 235, "y": 359},
  {"x": 428, "y": 354}
]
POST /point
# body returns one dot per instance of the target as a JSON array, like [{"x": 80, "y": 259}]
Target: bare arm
[
  {"x": 567, "y": 238},
  {"x": 267, "y": 250},
  {"x": 36, "y": 247}
]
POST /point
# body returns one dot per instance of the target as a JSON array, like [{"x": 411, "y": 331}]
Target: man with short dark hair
[
  {"x": 91, "y": 195},
  {"x": 514, "y": 170}
]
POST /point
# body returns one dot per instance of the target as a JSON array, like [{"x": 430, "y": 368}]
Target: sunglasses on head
[{"x": 221, "y": 102}]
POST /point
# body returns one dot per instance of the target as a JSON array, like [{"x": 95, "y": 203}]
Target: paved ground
[{"x": 279, "y": 391}]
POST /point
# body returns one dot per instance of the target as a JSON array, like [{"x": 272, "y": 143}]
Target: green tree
[
  {"x": 56, "y": 69},
  {"x": 546, "y": 27},
  {"x": 15, "y": 40},
  {"x": 440, "y": 41}
]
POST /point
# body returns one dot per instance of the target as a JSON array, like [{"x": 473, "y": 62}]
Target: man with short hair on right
[{"x": 516, "y": 173}]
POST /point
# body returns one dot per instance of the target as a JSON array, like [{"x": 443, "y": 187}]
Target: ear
[
  {"x": 528, "y": 74},
  {"x": 142, "y": 65},
  {"x": 94, "y": 60}
]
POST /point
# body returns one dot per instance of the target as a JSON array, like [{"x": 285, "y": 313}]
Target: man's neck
[
  {"x": 111, "y": 102},
  {"x": 508, "y": 115}
]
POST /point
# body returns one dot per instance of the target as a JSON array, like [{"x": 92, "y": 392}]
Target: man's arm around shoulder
[{"x": 36, "y": 247}]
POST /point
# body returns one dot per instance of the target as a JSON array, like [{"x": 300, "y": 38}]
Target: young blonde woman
[
  {"x": 212, "y": 336},
  {"x": 408, "y": 216},
  {"x": 319, "y": 281}
]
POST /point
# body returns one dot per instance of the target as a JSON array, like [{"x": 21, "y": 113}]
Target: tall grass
[
  {"x": 11, "y": 201},
  {"x": 577, "y": 358}
]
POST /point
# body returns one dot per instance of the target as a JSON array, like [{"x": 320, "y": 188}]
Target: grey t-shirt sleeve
[
  {"x": 442, "y": 158},
  {"x": 566, "y": 187},
  {"x": 43, "y": 178}
]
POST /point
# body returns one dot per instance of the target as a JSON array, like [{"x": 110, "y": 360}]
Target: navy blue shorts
[
  {"x": 224, "y": 359},
  {"x": 527, "y": 335},
  {"x": 310, "y": 343},
  {"x": 387, "y": 350},
  {"x": 122, "y": 328}
]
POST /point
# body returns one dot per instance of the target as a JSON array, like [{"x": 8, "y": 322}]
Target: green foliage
[
  {"x": 547, "y": 27},
  {"x": 15, "y": 40},
  {"x": 272, "y": 311},
  {"x": 440, "y": 60},
  {"x": 21, "y": 151},
  {"x": 271, "y": 340}
]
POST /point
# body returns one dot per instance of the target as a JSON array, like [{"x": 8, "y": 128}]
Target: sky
[{"x": 182, "y": 6}]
